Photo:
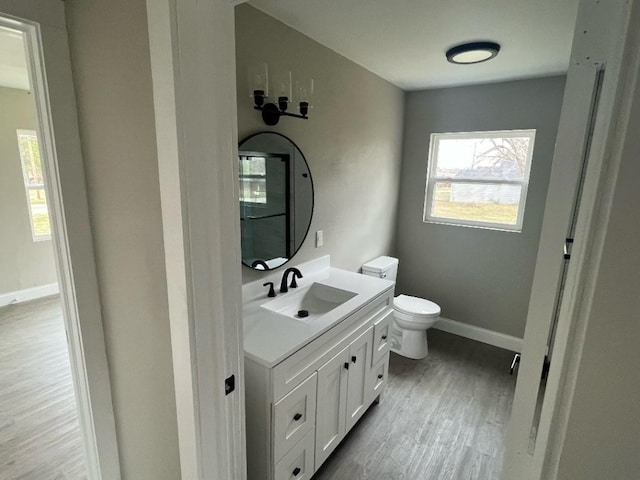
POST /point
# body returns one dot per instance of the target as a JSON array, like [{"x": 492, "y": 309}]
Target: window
[
  {"x": 34, "y": 185},
  {"x": 479, "y": 179},
  {"x": 253, "y": 179}
]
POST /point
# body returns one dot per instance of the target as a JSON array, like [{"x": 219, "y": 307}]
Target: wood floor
[
  {"x": 442, "y": 418},
  {"x": 39, "y": 430}
]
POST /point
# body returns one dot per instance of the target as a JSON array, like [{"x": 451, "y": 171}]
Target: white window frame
[
  {"x": 253, "y": 176},
  {"x": 28, "y": 187},
  {"x": 432, "y": 178}
]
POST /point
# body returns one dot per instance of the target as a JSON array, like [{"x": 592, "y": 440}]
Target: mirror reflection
[{"x": 276, "y": 199}]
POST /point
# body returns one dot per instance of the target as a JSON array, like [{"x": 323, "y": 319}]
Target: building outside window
[{"x": 479, "y": 179}]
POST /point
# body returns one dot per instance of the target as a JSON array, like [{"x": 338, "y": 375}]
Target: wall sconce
[{"x": 283, "y": 90}]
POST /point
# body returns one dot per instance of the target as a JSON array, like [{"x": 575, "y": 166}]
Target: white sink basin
[{"x": 316, "y": 300}]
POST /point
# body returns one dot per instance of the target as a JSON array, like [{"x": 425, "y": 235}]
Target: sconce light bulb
[
  {"x": 304, "y": 108},
  {"x": 283, "y": 103},
  {"x": 258, "y": 97}
]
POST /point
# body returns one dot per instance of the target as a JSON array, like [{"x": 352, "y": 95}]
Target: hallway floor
[
  {"x": 39, "y": 432},
  {"x": 441, "y": 418}
]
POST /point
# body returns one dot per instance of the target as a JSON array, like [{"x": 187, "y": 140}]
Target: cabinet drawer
[
  {"x": 377, "y": 378},
  {"x": 381, "y": 337},
  {"x": 294, "y": 416},
  {"x": 298, "y": 463}
]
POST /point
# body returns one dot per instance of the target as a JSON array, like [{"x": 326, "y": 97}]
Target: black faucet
[
  {"x": 283, "y": 284},
  {"x": 272, "y": 292}
]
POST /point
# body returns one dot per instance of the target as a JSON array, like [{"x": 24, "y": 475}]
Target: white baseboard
[
  {"x": 480, "y": 334},
  {"x": 21, "y": 296}
]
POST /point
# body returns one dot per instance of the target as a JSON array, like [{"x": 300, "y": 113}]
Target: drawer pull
[
  {"x": 346, "y": 365},
  {"x": 296, "y": 471},
  {"x": 353, "y": 359},
  {"x": 297, "y": 416},
  {"x": 383, "y": 337},
  {"x": 380, "y": 376}
]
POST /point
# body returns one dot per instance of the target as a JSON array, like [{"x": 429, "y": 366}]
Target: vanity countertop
[{"x": 271, "y": 337}]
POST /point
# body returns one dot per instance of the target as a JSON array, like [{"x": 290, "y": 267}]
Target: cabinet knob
[
  {"x": 346, "y": 365},
  {"x": 297, "y": 416},
  {"x": 353, "y": 359},
  {"x": 380, "y": 376},
  {"x": 296, "y": 471},
  {"x": 384, "y": 337}
]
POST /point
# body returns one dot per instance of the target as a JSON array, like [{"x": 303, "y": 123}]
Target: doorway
[
  {"x": 57, "y": 412},
  {"x": 41, "y": 428}
]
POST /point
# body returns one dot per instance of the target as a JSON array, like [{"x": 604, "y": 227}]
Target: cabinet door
[
  {"x": 331, "y": 403},
  {"x": 359, "y": 367}
]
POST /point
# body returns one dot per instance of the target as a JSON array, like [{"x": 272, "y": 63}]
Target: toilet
[{"x": 413, "y": 316}]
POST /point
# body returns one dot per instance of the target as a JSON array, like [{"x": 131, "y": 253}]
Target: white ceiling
[
  {"x": 13, "y": 65},
  {"x": 404, "y": 41}
]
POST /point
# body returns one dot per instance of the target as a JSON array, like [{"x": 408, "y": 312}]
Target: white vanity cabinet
[
  {"x": 342, "y": 383},
  {"x": 300, "y": 409}
]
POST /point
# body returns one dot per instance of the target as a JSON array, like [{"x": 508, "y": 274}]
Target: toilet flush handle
[{"x": 383, "y": 275}]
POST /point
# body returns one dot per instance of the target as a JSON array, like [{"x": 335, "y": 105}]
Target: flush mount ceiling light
[{"x": 473, "y": 52}]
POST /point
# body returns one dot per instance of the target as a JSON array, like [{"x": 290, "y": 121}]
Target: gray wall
[
  {"x": 23, "y": 262},
  {"x": 111, "y": 71},
  {"x": 478, "y": 276},
  {"x": 352, "y": 139},
  {"x": 603, "y": 432}
]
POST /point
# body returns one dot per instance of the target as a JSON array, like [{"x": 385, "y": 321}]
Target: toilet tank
[{"x": 382, "y": 267}]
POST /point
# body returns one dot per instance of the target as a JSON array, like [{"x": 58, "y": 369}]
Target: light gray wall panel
[
  {"x": 352, "y": 139},
  {"x": 23, "y": 262},
  {"x": 478, "y": 276},
  {"x": 111, "y": 68}
]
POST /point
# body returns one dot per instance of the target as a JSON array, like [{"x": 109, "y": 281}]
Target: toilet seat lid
[{"x": 416, "y": 306}]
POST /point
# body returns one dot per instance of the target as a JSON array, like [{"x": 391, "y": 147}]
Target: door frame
[
  {"x": 605, "y": 158},
  {"x": 602, "y": 40},
  {"x": 43, "y": 23},
  {"x": 194, "y": 98}
]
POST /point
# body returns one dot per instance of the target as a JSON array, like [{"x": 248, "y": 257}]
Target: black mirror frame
[{"x": 313, "y": 196}]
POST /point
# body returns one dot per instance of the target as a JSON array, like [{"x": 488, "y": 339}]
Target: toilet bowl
[{"x": 413, "y": 316}]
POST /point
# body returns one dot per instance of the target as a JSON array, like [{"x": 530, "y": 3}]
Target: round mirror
[{"x": 276, "y": 199}]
